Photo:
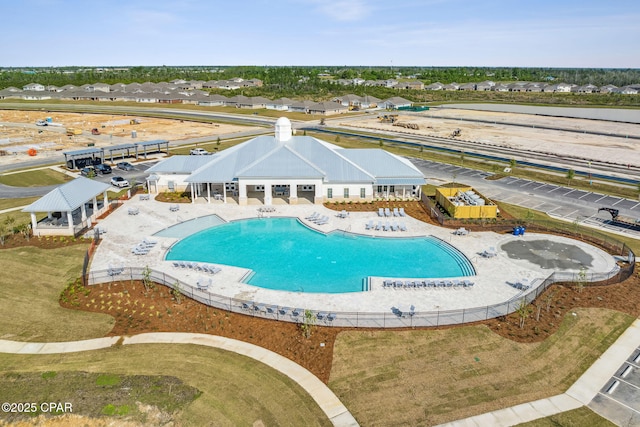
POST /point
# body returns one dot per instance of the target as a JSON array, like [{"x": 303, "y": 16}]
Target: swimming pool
[{"x": 286, "y": 255}]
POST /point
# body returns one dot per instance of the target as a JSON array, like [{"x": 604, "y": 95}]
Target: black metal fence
[{"x": 391, "y": 319}]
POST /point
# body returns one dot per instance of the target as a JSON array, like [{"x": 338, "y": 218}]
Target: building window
[
  {"x": 346, "y": 193},
  {"x": 329, "y": 193},
  {"x": 379, "y": 188},
  {"x": 392, "y": 188},
  {"x": 363, "y": 192}
]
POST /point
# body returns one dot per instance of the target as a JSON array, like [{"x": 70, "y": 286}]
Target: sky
[{"x": 494, "y": 33}]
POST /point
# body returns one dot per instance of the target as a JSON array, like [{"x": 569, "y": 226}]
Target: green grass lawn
[
  {"x": 34, "y": 178},
  {"x": 32, "y": 280},
  {"x": 236, "y": 390},
  {"x": 13, "y": 203},
  {"x": 427, "y": 377}
]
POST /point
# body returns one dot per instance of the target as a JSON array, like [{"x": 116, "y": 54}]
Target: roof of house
[
  {"x": 291, "y": 156},
  {"x": 68, "y": 197}
]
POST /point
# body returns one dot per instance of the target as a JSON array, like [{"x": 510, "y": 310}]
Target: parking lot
[
  {"x": 619, "y": 399},
  {"x": 559, "y": 201}
]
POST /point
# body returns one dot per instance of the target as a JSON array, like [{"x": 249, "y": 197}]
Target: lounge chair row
[
  {"x": 143, "y": 247},
  {"x": 343, "y": 214},
  {"x": 134, "y": 211},
  {"x": 207, "y": 268},
  {"x": 144, "y": 197},
  {"x": 386, "y": 226},
  {"x": 267, "y": 209},
  {"x": 414, "y": 284},
  {"x": 284, "y": 311},
  {"x": 387, "y": 212},
  {"x": 174, "y": 208},
  {"x": 318, "y": 219}
]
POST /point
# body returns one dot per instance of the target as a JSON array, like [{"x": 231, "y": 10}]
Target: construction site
[
  {"x": 526, "y": 132},
  {"x": 25, "y": 134}
]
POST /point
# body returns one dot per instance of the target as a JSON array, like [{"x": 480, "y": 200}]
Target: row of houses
[
  {"x": 171, "y": 93},
  {"x": 493, "y": 86},
  {"x": 232, "y": 84}
]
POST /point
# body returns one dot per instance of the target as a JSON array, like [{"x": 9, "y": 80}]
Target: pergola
[
  {"x": 147, "y": 146},
  {"x": 66, "y": 207}
]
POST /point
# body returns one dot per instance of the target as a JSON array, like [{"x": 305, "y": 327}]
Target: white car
[
  {"x": 41, "y": 123},
  {"x": 119, "y": 181},
  {"x": 198, "y": 152}
]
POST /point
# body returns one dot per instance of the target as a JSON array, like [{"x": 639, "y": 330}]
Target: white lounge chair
[
  {"x": 401, "y": 212},
  {"x": 380, "y": 212},
  {"x": 386, "y": 226},
  {"x": 403, "y": 227},
  {"x": 379, "y": 225},
  {"x": 394, "y": 226},
  {"x": 395, "y": 212},
  {"x": 369, "y": 225},
  {"x": 387, "y": 212}
]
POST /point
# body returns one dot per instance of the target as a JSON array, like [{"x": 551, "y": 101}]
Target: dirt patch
[
  {"x": 16, "y": 139},
  {"x": 528, "y": 137}
]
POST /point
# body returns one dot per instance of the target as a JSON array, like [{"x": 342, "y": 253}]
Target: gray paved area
[
  {"x": 561, "y": 202},
  {"x": 491, "y": 282}
]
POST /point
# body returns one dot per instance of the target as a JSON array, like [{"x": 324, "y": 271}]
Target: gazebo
[{"x": 70, "y": 208}]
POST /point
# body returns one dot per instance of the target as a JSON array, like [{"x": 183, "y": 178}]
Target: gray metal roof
[
  {"x": 69, "y": 196},
  {"x": 281, "y": 163},
  {"x": 180, "y": 164},
  {"x": 120, "y": 147},
  {"x": 154, "y": 142},
  {"x": 82, "y": 152},
  {"x": 382, "y": 164}
]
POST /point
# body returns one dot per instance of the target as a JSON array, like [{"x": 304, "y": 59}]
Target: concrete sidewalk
[
  {"x": 578, "y": 395},
  {"x": 328, "y": 402}
]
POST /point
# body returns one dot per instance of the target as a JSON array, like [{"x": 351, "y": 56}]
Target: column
[
  {"x": 83, "y": 212},
  {"x": 34, "y": 221},
  {"x": 70, "y": 221},
  {"x": 95, "y": 205},
  {"x": 208, "y": 192},
  {"x": 224, "y": 192},
  {"x": 242, "y": 194},
  {"x": 267, "y": 194},
  {"x": 293, "y": 193},
  {"x": 193, "y": 193},
  {"x": 318, "y": 197}
]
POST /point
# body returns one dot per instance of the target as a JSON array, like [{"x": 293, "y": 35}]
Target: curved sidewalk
[{"x": 328, "y": 402}]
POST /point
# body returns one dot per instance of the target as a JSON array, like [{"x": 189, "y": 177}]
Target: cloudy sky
[{"x": 542, "y": 33}]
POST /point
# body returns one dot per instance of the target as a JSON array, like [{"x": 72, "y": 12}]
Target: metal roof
[
  {"x": 180, "y": 164},
  {"x": 69, "y": 196},
  {"x": 382, "y": 164},
  {"x": 281, "y": 163},
  {"x": 82, "y": 152},
  {"x": 154, "y": 142},
  {"x": 120, "y": 147}
]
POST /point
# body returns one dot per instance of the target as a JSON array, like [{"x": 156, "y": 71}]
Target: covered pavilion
[{"x": 70, "y": 208}]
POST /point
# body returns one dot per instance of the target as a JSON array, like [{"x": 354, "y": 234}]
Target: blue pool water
[{"x": 286, "y": 255}]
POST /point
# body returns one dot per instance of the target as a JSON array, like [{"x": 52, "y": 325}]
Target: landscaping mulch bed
[{"x": 137, "y": 310}]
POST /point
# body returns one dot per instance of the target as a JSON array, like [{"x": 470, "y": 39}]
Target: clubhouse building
[{"x": 291, "y": 168}]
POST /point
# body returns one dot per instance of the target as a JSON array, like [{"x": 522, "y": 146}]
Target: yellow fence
[{"x": 452, "y": 200}]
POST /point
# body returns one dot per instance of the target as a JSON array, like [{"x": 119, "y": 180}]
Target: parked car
[
  {"x": 125, "y": 166},
  {"x": 88, "y": 171},
  {"x": 103, "y": 168},
  {"x": 198, "y": 152},
  {"x": 41, "y": 123},
  {"x": 95, "y": 131},
  {"x": 119, "y": 181}
]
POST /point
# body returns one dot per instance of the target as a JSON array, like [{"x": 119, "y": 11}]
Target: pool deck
[{"x": 124, "y": 231}]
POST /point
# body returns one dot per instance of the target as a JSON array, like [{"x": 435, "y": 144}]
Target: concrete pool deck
[{"x": 491, "y": 281}]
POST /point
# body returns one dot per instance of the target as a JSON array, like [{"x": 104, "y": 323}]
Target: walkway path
[
  {"x": 581, "y": 393},
  {"x": 337, "y": 413}
]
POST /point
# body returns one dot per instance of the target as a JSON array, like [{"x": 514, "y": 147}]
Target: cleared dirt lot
[
  {"x": 18, "y": 132},
  {"x": 442, "y": 123}
]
